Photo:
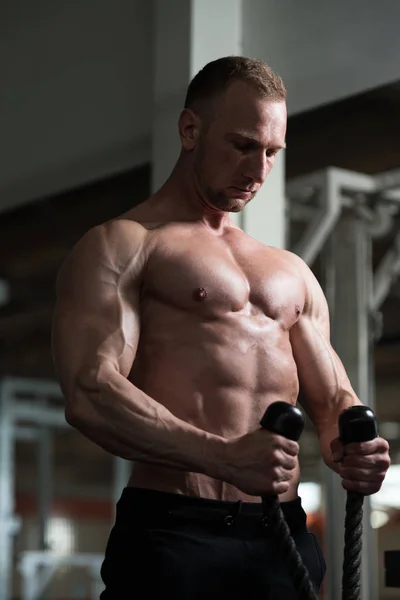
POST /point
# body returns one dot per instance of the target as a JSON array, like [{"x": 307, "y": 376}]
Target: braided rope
[
  {"x": 351, "y": 587},
  {"x": 284, "y": 542}
]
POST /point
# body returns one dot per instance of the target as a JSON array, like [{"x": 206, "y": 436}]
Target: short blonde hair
[{"x": 216, "y": 76}]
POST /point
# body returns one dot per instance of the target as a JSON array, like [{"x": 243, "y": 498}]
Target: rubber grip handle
[
  {"x": 357, "y": 424},
  {"x": 283, "y": 419}
]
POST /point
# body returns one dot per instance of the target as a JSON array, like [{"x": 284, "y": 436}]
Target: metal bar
[
  {"x": 44, "y": 489},
  {"x": 358, "y": 182},
  {"x": 37, "y": 558},
  {"x": 386, "y": 273},
  {"x": 15, "y": 386},
  {"x": 13, "y": 409},
  {"x": 382, "y": 221},
  {"x": 323, "y": 220},
  {"x": 39, "y": 582},
  {"x": 28, "y": 411},
  {"x": 329, "y": 183},
  {"x": 37, "y": 569},
  {"x": 351, "y": 180},
  {"x": 305, "y": 185},
  {"x": 28, "y": 581},
  {"x": 334, "y": 499},
  {"x": 392, "y": 195},
  {"x": 7, "y": 477},
  {"x": 6, "y": 454},
  {"x": 388, "y": 180}
]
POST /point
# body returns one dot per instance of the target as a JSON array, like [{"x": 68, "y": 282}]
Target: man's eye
[
  {"x": 271, "y": 153},
  {"x": 243, "y": 146}
]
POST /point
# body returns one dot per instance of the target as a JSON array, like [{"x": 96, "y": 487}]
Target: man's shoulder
[
  {"x": 315, "y": 296},
  {"x": 286, "y": 257},
  {"x": 119, "y": 234},
  {"x": 298, "y": 265},
  {"x": 115, "y": 245},
  {"x": 291, "y": 257}
]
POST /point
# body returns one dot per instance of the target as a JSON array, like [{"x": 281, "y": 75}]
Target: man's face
[{"x": 235, "y": 152}]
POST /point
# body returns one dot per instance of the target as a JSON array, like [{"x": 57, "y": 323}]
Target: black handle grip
[
  {"x": 284, "y": 419},
  {"x": 357, "y": 424}
]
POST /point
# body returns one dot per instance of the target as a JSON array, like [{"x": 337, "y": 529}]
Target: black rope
[
  {"x": 284, "y": 542},
  {"x": 353, "y": 528}
]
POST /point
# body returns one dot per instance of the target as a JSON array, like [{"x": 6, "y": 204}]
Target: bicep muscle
[{"x": 96, "y": 317}]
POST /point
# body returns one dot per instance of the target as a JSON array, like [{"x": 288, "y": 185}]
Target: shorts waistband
[{"x": 146, "y": 500}]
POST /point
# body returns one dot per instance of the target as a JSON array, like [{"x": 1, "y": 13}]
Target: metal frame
[
  {"x": 336, "y": 189},
  {"x": 352, "y": 209},
  {"x": 386, "y": 274},
  {"x": 23, "y": 400},
  {"x": 38, "y": 568},
  {"x": 327, "y": 185}
]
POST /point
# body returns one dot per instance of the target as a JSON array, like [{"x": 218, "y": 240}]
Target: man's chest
[{"x": 211, "y": 276}]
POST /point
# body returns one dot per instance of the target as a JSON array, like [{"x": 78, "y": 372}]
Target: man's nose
[{"x": 257, "y": 167}]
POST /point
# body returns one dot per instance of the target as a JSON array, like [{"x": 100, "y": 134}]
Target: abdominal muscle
[{"x": 224, "y": 390}]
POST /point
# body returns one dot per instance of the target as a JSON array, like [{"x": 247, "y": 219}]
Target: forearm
[
  {"x": 325, "y": 438},
  {"x": 126, "y": 422}
]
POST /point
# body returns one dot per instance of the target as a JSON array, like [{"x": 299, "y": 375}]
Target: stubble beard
[
  {"x": 225, "y": 203},
  {"x": 216, "y": 198}
]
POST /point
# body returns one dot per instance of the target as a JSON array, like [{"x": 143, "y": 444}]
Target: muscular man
[{"x": 173, "y": 332}]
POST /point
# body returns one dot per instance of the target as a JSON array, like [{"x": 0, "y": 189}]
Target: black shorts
[{"x": 197, "y": 549}]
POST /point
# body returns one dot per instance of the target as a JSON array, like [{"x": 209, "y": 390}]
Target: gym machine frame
[
  {"x": 29, "y": 410},
  {"x": 344, "y": 212}
]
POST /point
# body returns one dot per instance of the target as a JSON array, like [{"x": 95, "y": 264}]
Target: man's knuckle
[{"x": 276, "y": 456}]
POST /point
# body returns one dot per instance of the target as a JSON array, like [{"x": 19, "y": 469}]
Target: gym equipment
[
  {"x": 286, "y": 420},
  {"x": 356, "y": 424}
]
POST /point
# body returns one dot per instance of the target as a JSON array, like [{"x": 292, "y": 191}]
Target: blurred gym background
[{"x": 90, "y": 94}]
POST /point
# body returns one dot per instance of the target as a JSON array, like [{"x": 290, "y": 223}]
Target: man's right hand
[{"x": 261, "y": 463}]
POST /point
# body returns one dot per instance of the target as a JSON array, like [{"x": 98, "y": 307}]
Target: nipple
[
  {"x": 298, "y": 311},
  {"x": 200, "y": 294}
]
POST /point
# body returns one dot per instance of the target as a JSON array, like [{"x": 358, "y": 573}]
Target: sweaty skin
[{"x": 174, "y": 330}]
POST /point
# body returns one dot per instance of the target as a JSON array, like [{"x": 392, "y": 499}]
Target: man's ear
[{"x": 189, "y": 128}]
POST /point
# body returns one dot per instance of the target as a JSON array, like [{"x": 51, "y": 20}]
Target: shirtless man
[{"x": 173, "y": 332}]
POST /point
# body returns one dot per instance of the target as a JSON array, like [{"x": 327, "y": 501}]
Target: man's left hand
[{"x": 362, "y": 466}]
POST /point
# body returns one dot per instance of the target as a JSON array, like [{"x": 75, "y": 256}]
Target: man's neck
[{"x": 180, "y": 197}]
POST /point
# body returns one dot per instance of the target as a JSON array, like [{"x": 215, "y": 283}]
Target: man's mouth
[{"x": 244, "y": 191}]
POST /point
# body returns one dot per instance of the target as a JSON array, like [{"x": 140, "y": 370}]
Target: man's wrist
[{"x": 216, "y": 458}]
